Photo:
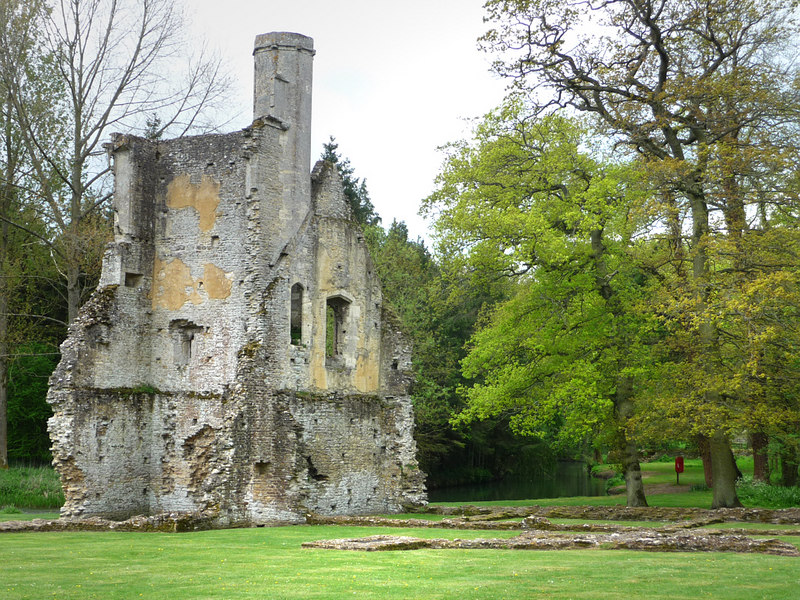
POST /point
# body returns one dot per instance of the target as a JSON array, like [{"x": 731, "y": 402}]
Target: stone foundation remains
[{"x": 237, "y": 359}]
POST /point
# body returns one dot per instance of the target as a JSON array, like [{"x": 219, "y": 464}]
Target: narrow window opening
[
  {"x": 296, "y": 325},
  {"x": 335, "y": 332}
]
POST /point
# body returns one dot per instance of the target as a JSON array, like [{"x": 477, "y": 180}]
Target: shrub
[
  {"x": 30, "y": 487},
  {"x": 754, "y": 493},
  {"x": 614, "y": 481}
]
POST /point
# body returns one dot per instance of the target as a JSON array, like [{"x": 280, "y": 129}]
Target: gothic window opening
[
  {"x": 335, "y": 320},
  {"x": 296, "y": 323}
]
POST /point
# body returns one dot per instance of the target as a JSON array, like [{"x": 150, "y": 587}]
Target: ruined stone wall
[{"x": 236, "y": 358}]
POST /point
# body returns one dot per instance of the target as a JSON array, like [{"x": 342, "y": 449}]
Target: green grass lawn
[
  {"x": 698, "y": 499},
  {"x": 269, "y": 563},
  {"x": 28, "y": 516}
]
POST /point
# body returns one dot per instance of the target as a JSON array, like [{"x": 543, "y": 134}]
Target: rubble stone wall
[{"x": 236, "y": 359}]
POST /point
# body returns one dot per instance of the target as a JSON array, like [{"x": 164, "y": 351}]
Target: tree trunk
[
  {"x": 789, "y": 466},
  {"x": 704, "y": 448},
  {"x": 623, "y": 405},
  {"x": 3, "y": 415},
  {"x": 623, "y": 399},
  {"x": 725, "y": 473},
  {"x": 759, "y": 442},
  {"x": 3, "y": 374},
  {"x": 73, "y": 292},
  {"x": 723, "y": 467},
  {"x": 5, "y": 210}
]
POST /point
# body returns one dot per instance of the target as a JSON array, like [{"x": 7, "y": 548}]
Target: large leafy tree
[
  {"x": 707, "y": 95},
  {"x": 563, "y": 354}
]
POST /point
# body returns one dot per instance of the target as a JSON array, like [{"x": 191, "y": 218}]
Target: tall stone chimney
[{"x": 282, "y": 99}]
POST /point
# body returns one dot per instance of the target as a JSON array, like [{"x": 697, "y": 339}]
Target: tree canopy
[{"x": 705, "y": 95}]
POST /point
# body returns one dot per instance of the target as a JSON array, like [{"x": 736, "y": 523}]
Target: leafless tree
[
  {"x": 71, "y": 72},
  {"x": 115, "y": 65}
]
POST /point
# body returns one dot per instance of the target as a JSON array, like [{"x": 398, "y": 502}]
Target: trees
[
  {"x": 561, "y": 356},
  {"x": 110, "y": 63},
  {"x": 355, "y": 189},
  {"x": 17, "y": 186},
  {"x": 703, "y": 93},
  {"x": 70, "y": 71}
]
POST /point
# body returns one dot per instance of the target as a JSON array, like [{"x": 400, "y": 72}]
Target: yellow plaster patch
[
  {"x": 215, "y": 282},
  {"x": 204, "y": 198},
  {"x": 366, "y": 376},
  {"x": 319, "y": 376},
  {"x": 173, "y": 284}
]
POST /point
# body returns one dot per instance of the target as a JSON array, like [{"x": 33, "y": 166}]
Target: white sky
[{"x": 392, "y": 81}]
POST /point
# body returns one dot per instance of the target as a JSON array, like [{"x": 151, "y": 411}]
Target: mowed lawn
[{"x": 269, "y": 563}]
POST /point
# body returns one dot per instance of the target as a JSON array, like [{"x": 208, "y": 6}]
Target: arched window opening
[
  {"x": 335, "y": 315},
  {"x": 296, "y": 323}
]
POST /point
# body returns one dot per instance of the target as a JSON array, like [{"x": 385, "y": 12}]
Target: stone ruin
[{"x": 237, "y": 359}]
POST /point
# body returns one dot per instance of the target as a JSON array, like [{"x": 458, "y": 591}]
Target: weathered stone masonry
[{"x": 236, "y": 358}]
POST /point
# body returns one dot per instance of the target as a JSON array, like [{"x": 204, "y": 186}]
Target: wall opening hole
[
  {"x": 133, "y": 280},
  {"x": 336, "y": 317},
  {"x": 296, "y": 325},
  {"x": 183, "y": 334},
  {"x": 262, "y": 468},
  {"x": 313, "y": 473},
  {"x": 395, "y": 364},
  {"x": 214, "y": 241}
]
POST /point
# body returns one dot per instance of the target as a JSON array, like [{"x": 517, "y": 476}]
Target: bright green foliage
[
  {"x": 756, "y": 368},
  {"x": 754, "y": 493},
  {"x": 707, "y": 95},
  {"x": 522, "y": 200},
  {"x": 438, "y": 310}
]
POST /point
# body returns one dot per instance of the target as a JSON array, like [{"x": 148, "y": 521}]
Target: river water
[{"x": 568, "y": 479}]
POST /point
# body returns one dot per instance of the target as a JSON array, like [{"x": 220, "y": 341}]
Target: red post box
[{"x": 678, "y": 469}]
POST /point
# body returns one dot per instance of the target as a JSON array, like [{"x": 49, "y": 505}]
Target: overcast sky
[{"x": 392, "y": 81}]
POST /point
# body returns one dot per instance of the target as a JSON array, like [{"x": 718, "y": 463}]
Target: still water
[{"x": 568, "y": 479}]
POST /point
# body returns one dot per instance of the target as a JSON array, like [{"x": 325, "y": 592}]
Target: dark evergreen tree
[{"x": 355, "y": 189}]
